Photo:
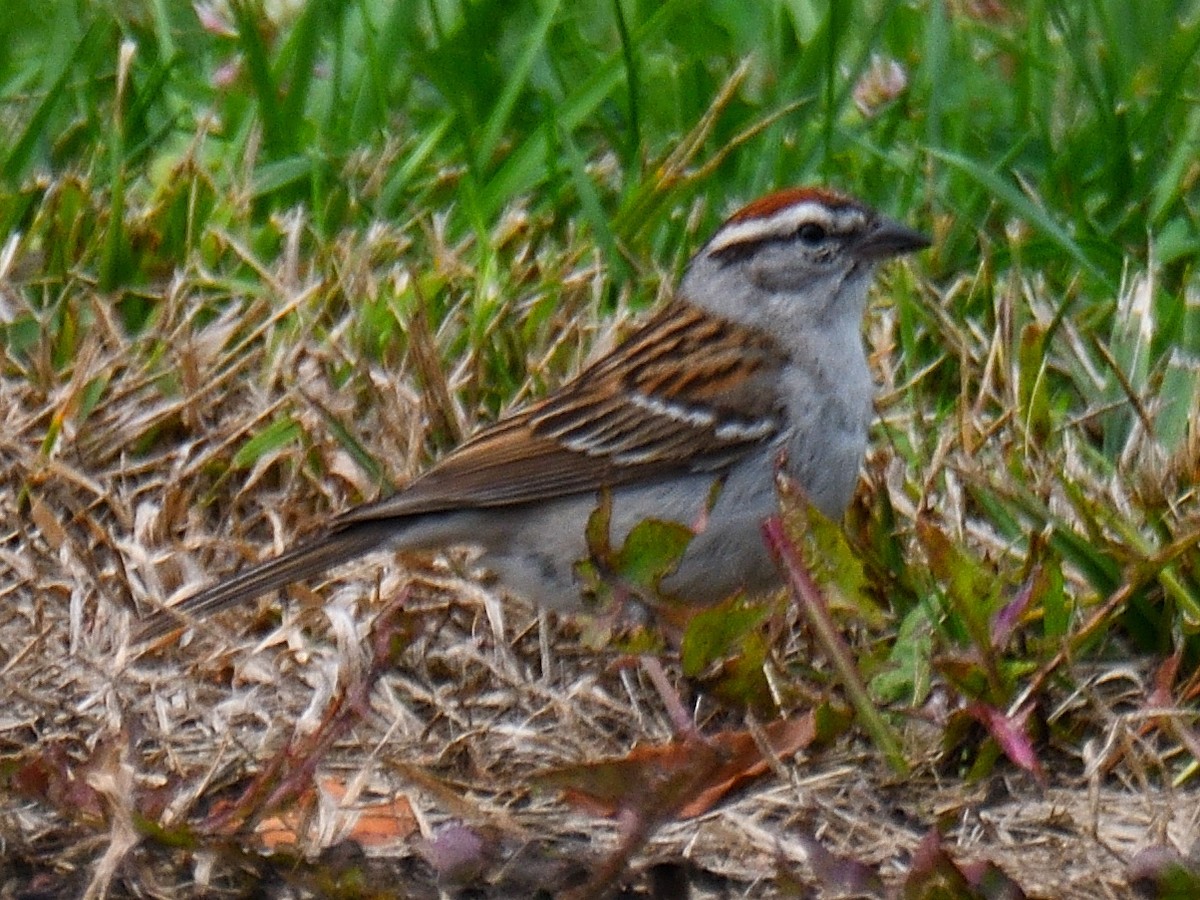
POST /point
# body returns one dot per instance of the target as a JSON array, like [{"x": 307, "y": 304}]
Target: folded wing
[{"x": 633, "y": 415}]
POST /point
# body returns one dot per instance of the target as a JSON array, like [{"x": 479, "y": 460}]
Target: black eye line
[{"x": 743, "y": 250}]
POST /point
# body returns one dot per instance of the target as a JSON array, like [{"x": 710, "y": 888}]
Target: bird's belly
[{"x": 545, "y": 542}]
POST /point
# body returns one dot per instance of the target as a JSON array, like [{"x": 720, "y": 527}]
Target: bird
[{"x": 757, "y": 357}]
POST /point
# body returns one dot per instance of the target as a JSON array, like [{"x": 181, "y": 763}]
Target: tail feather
[{"x": 313, "y": 558}]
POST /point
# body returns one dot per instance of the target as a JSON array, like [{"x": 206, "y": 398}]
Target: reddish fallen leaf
[
  {"x": 745, "y": 761},
  {"x": 384, "y": 824},
  {"x": 369, "y": 825},
  {"x": 51, "y": 776},
  {"x": 935, "y": 874},
  {"x": 680, "y": 779},
  {"x": 991, "y": 882},
  {"x": 840, "y": 873},
  {"x": 1012, "y": 734},
  {"x": 1162, "y": 694},
  {"x": 1162, "y": 697},
  {"x": 1006, "y": 620}
]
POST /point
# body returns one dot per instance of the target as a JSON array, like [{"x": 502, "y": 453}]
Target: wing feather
[{"x": 589, "y": 434}]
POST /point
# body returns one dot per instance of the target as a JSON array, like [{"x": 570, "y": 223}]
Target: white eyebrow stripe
[{"x": 781, "y": 224}]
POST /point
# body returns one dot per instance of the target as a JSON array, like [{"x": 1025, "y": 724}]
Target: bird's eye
[{"x": 811, "y": 233}]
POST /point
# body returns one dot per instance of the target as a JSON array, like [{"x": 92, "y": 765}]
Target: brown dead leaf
[
  {"x": 53, "y": 777},
  {"x": 681, "y": 779}
]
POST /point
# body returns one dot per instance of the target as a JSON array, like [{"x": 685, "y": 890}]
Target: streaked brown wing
[{"x": 634, "y": 414}]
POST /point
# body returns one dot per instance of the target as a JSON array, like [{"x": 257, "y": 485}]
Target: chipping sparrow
[{"x": 760, "y": 352}]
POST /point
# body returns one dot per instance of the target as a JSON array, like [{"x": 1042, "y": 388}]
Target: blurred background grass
[
  {"x": 469, "y": 165},
  {"x": 1076, "y": 120}
]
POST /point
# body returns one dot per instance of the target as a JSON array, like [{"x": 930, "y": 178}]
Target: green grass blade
[
  {"x": 1020, "y": 204},
  {"x": 18, "y": 160},
  {"x": 258, "y": 67},
  {"x": 493, "y": 128},
  {"x": 525, "y": 165}
]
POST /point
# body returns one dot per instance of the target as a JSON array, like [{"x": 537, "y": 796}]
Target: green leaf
[
  {"x": 724, "y": 650},
  {"x": 908, "y": 677},
  {"x": 651, "y": 551},
  {"x": 718, "y": 632},
  {"x": 839, "y": 569},
  {"x": 597, "y": 533},
  {"x": 275, "y": 436},
  {"x": 971, "y": 589}
]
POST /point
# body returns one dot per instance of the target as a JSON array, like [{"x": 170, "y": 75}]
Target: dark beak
[{"x": 890, "y": 238}]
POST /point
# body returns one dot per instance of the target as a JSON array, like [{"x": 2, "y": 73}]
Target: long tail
[{"x": 308, "y": 559}]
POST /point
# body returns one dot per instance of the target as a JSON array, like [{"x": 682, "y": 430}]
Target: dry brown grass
[{"x": 110, "y": 511}]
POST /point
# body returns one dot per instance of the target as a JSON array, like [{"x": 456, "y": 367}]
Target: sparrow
[{"x": 758, "y": 357}]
